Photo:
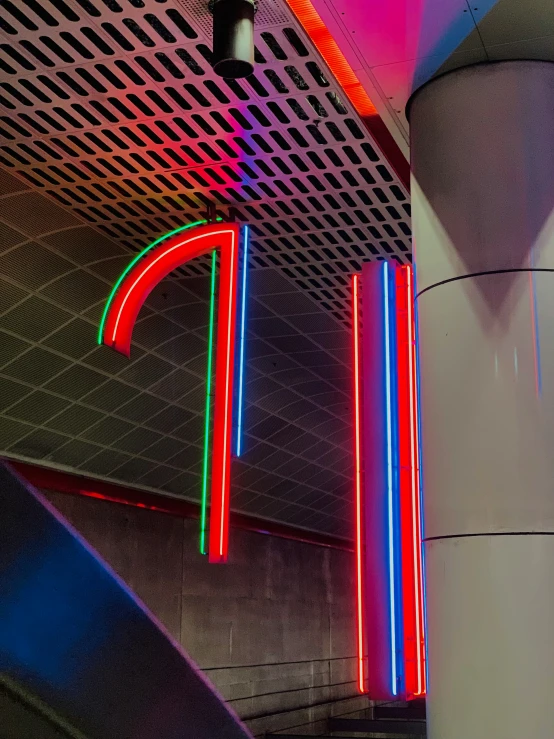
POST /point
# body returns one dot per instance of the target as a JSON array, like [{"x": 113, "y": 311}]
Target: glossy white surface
[
  {"x": 487, "y": 431},
  {"x": 490, "y": 615},
  {"x": 483, "y": 190},
  {"x": 482, "y": 200}
]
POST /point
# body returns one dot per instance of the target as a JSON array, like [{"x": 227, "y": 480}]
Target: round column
[{"x": 482, "y": 143}]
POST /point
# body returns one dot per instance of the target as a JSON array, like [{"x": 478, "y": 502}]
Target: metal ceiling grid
[
  {"x": 67, "y": 402},
  {"x": 113, "y": 117},
  {"x": 112, "y": 108}
]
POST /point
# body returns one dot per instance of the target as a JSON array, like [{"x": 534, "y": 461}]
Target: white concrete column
[{"x": 482, "y": 142}]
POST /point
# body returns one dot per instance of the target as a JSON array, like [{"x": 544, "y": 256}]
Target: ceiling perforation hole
[
  {"x": 335, "y": 131},
  {"x": 186, "y": 29},
  {"x": 15, "y": 155},
  {"x": 178, "y": 98},
  {"x": 14, "y": 92},
  {"x": 76, "y": 45},
  {"x": 222, "y": 122},
  {"x": 278, "y": 112},
  {"x": 296, "y": 42},
  {"x": 72, "y": 83},
  {"x": 237, "y": 89},
  {"x": 56, "y": 49},
  {"x": 17, "y": 57},
  {"x": 297, "y": 109},
  {"x": 97, "y": 40},
  {"x": 190, "y": 61},
  {"x": 316, "y": 134},
  {"x": 113, "y": 5},
  {"x": 366, "y": 174},
  {"x": 7, "y": 27},
  {"x": 41, "y": 97},
  {"x": 149, "y": 68},
  {"x": 122, "y": 40},
  {"x": 31, "y": 179},
  {"x": 37, "y": 53},
  {"x": 30, "y": 121},
  {"x": 19, "y": 15},
  {"x": 89, "y": 8},
  {"x": 257, "y": 86},
  {"x": 276, "y": 81},
  {"x": 166, "y": 62},
  {"x": 274, "y": 46},
  {"x": 5, "y": 67},
  {"x": 216, "y": 91},
  {"x": 162, "y": 31}
]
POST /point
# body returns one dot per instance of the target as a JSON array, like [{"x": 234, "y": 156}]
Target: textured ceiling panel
[
  {"x": 112, "y": 108},
  {"x": 114, "y": 130}
]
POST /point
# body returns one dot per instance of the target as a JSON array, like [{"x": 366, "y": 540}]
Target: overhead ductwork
[{"x": 233, "y": 37}]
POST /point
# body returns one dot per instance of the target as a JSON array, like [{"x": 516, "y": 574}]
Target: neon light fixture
[
  {"x": 411, "y": 525},
  {"x": 116, "y": 328},
  {"x": 242, "y": 340},
  {"x": 391, "y": 476},
  {"x": 358, "y": 482},
  {"x": 388, "y": 510}
]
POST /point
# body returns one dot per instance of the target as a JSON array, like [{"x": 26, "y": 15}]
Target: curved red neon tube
[{"x": 121, "y": 318}]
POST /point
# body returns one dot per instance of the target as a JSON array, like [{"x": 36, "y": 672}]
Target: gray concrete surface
[{"x": 274, "y": 630}]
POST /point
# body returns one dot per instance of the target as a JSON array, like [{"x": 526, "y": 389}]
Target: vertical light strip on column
[
  {"x": 418, "y": 523},
  {"x": 420, "y": 482},
  {"x": 240, "y": 403},
  {"x": 389, "y": 477},
  {"x": 406, "y": 477},
  {"x": 358, "y": 480},
  {"x": 206, "y": 460},
  {"x": 415, "y": 486}
]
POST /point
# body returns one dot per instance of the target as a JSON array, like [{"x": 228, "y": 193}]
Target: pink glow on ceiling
[{"x": 419, "y": 34}]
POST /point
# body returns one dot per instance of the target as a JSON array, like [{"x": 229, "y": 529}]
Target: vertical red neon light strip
[
  {"x": 412, "y": 575},
  {"x": 405, "y": 453},
  {"x": 416, "y": 497},
  {"x": 358, "y": 480}
]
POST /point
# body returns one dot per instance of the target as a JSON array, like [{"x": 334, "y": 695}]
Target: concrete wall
[{"x": 274, "y": 630}]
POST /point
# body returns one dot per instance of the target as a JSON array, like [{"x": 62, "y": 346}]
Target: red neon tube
[
  {"x": 416, "y": 493},
  {"x": 412, "y": 577},
  {"x": 118, "y": 329},
  {"x": 406, "y": 473},
  {"x": 358, "y": 482}
]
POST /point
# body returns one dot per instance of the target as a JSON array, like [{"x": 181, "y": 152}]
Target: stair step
[
  {"x": 306, "y": 736},
  {"x": 415, "y": 712},
  {"x": 373, "y": 726}
]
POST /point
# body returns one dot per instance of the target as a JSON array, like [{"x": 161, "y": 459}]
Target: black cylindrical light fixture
[{"x": 233, "y": 38}]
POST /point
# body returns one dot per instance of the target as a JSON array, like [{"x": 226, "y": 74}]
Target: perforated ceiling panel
[{"x": 112, "y": 116}]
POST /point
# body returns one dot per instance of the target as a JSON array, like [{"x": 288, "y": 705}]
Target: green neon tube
[{"x": 205, "y": 473}]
